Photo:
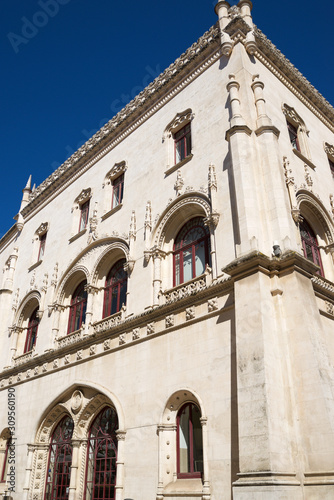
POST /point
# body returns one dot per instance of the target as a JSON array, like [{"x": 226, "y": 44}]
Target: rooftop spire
[{"x": 28, "y": 185}]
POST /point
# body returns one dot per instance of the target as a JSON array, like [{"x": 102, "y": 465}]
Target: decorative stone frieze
[
  {"x": 169, "y": 321},
  {"x": 108, "y": 323},
  {"x": 69, "y": 339},
  {"x": 190, "y": 313},
  {"x": 185, "y": 290}
]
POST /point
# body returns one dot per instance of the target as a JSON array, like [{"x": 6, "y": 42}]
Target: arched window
[
  {"x": 191, "y": 251},
  {"x": 115, "y": 289},
  {"x": 78, "y": 308},
  {"x": 310, "y": 245},
  {"x": 60, "y": 461},
  {"x": 31, "y": 331},
  {"x": 189, "y": 442},
  {"x": 102, "y": 456}
]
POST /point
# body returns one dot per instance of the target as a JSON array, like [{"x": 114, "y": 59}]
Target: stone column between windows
[
  {"x": 206, "y": 482},
  {"x": 167, "y": 449},
  {"x": 14, "y": 334},
  {"x": 120, "y": 434},
  {"x": 74, "y": 469},
  {"x": 157, "y": 255},
  {"x": 91, "y": 292},
  {"x": 56, "y": 320},
  {"x": 211, "y": 222},
  {"x": 27, "y": 478}
]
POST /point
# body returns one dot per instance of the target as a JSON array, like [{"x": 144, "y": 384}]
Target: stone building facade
[{"x": 167, "y": 297}]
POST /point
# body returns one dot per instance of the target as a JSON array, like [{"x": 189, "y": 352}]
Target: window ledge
[
  {"x": 184, "y": 487},
  {"x": 302, "y": 157},
  {"x": 36, "y": 264},
  {"x": 178, "y": 165},
  {"x": 76, "y": 236},
  {"x": 112, "y": 211}
]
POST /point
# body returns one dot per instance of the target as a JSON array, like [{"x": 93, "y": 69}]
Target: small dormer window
[
  {"x": 84, "y": 210},
  {"x": 293, "y": 134},
  {"x": 182, "y": 141},
  {"x": 42, "y": 242},
  {"x": 118, "y": 189}
]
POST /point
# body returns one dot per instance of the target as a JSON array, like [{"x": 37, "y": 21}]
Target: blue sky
[{"x": 68, "y": 66}]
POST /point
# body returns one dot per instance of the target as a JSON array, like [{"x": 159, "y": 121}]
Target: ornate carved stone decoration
[
  {"x": 308, "y": 177},
  {"x": 129, "y": 265},
  {"x": 190, "y": 313},
  {"x": 150, "y": 328},
  {"x": 83, "y": 196},
  {"x": 42, "y": 229},
  {"x": 296, "y": 215},
  {"x": 79, "y": 355},
  {"x": 67, "y": 359},
  {"x": 212, "y": 304},
  {"x": 16, "y": 299},
  {"x": 148, "y": 217},
  {"x": 122, "y": 339},
  {"x": 292, "y": 115},
  {"x": 93, "y": 223},
  {"x": 330, "y": 307},
  {"x": 289, "y": 179},
  {"x": 170, "y": 321},
  {"x": 55, "y": 275},
  {"x": 32, "y": 280},
  {"x": 212, "y": 220},
  {"x": 76, "y": 401},
  {"x": 329, "y": 149},
  {"x": 92, "y": 350},
  {"x": 179, "y": 120},
  {"x": 106, "y": 344},
  {"x": 136, "y": 334},
  {"x": 331, "y": 201},
  {"x": 133, "y": 226},
  {"x": 116, "y": 171},
  {"x": 179, "y": 183},
  {"x": 212, "y": 177}
]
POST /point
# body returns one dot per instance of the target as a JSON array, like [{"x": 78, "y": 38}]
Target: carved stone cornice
[
  {"x": 276, "y": 62},
  {"x": 256, "y": 261},
  {"x": 188, "y": 66}
]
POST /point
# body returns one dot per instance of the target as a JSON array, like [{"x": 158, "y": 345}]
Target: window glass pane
[
  {"x": 200, "y": 258},
  {"x": 178, "y": 152},
  {"x": 101, "y": 473},
  {"x": 177, "y": 269},
  {"x": 187, "y": 265},
  {"x": 60, "y": 460},
  {"x": 197, "y": 440},
  {"x": 184, "y": 445}
]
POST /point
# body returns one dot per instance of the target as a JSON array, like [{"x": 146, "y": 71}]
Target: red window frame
[
  {"x": 84, "y": 210},
  {"x": 60, "y": 461},
  {"x": 5, "y": 463},
  {"x": 184, "y": 244},
  {"x": 42, "y": 241},
  {"x": 101, "y": 464},
  {"x": 182, "y": 143},
  {"x": 31, "y": 331},
  {"x": 115, "y": 289},
  {"x": 293, "y": 134},
  {"x": 78, "y": 307},
  {"x": 193, "y": 454},
  {"x": 310, "y": 245},
  {"x": 117, "y": 191}
]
